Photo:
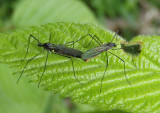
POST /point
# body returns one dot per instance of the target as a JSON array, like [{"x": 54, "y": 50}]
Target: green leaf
[
  {"x": 141, "y": 96},
  {"x": 20, "y": 98},
  {"x": 38, "y": 12}
]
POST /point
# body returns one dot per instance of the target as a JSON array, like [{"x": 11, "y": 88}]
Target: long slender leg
[
  {"x": 72, "y": 42},
  {"x": 94, "y": 38},
  {"x": 45, "y": 62},
  {"x": 98, "y": 39},
  {"x": 90, "y": 36},
  {"x": 29, "y": 44},
  {"x": 43, "y": 69},
  {"x": 74, "y": 72},
  {"x": 124, "y": 66},
  {"x": 114, "y": 36},
  {"x": 89, "y": 43},
  {"x": 35, "y": 38},
  {"x": 27, "y": 64},
  {"x": 71, "y": 60},
  {"x": 72, "y": 66},
  {"x": 134, "y": 62},
  {"x": 47, "y": 56},
  {"x": 104, "y": 71},
  {"x": 84, "y": 37},
  {"x": 27, "y": 47},
  {"x": 132, "y": 58},
  {"x": 111, "y": 40}
]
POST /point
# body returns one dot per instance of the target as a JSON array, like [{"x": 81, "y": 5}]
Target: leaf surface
[{"x": 141, "y": 96}]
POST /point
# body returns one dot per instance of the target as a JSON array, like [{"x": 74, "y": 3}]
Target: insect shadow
[
  {"x": 93, "y": 52},
  {"x": 58, "y": 49}
]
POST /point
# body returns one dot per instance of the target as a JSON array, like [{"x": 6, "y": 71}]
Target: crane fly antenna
[
  {"x": 35, "y": 39},
  {"x": 114, "y": 36}
]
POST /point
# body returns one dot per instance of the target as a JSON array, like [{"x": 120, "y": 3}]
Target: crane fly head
[
  {"x": 111, "y": 45},
  {"x": 40, "y": 45}
]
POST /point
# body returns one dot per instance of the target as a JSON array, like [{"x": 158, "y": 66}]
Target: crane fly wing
[{"x": 92, "y": 52}]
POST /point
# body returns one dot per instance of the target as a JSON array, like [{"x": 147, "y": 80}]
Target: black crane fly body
[{"x": 58, "y": 49}]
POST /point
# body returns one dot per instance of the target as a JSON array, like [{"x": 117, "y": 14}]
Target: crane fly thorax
[
  {"x": 109, "y": 46},
  {"x": 48, "y": 46}
]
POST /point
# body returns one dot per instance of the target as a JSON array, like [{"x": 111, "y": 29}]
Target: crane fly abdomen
[{"x": 63, "y": 50}]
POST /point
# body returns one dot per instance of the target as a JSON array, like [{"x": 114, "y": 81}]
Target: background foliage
[{"x": 130, "y": 17}]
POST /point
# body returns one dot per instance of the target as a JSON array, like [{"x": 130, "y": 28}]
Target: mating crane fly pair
[{"x": 68, "y": 52}]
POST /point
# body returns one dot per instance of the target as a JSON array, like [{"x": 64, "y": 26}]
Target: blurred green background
[{"x": 129, "y": 17}]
